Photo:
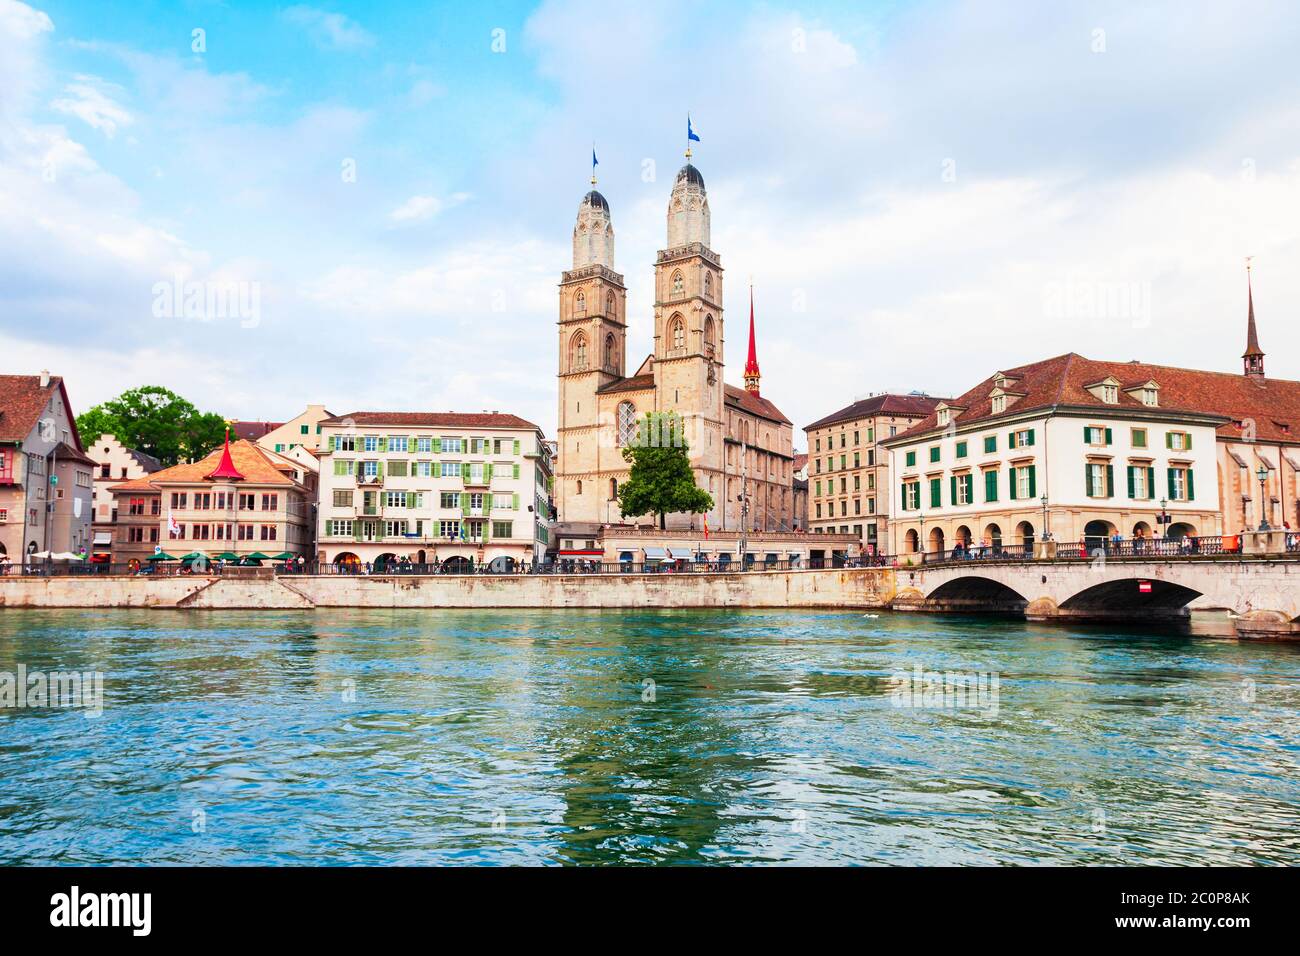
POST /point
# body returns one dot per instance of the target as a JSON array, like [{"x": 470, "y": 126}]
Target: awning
[
  {"x": 681, "y": 554},
  {"x": 655, "y": 554},
  {"x": 103, "y": 537}
]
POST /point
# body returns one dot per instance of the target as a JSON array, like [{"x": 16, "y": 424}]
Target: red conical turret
[
  {"x": 751, "y": 363},
  {"x": 226, "y": 470}
]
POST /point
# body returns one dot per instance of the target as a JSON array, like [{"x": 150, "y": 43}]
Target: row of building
[{"x": 1069, "y": 449}]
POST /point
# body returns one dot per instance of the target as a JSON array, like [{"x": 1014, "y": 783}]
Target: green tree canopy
[
  {"x": 156, "y": 421},
  {"x": 661, "y": 481}
]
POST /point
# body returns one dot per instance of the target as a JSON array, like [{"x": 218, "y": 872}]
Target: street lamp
[
  {"x": 1262, "y": 475},
  {"x": 920, "y": 543},
  {"x": 1047, "y": 535}
]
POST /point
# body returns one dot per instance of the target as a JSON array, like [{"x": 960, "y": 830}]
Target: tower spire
[
  {"x": 1253, "y": 358},
  {"x": 751, "y": 363}
]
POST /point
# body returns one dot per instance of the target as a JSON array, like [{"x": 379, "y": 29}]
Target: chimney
[{"x": 45, "y": 378}]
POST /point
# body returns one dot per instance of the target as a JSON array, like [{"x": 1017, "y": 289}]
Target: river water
[{"x": 703, "y": 737}]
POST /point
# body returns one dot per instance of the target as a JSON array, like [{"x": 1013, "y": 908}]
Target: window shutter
[
  {"x": 1169, "y": 474},
  {"x": 487, "y": 471},
  {"x": 410, "y": 499},
  {"x": 516, "y": 446},
  {"x": 1011, "y": 440},
  {"x": 1087, "y": 481},
  {"x": 952, "y": 489},
  {"x": 1132, "y": 481},
  {"x": 383, "y": 443},
  {"x": 903, "y": 500},
  {"x": 515, "y": 504},
  {"x": 1029, "y": 440},
  {"x": 330, "y": 446},
  {"x": 1087, "y": 434},
  {"x": 1110, "y": 481},
  {"x": 1033, "y": 481},
  {"x": 1011, "y": 484},
  {"x": 1187, "y": 443},
  {"x": 1151, "y": 483},
  {"x": 1169, "y": 440},
  {"x": 1108, "y": 436},
  {"x": 464, "y": 471},
  {"x": 437, "y": 445},
  {"x": 516, "y": 472},
  {"x": 991, "y": 485},
  {"x": 379, "y": 468},
  {"x": 1191, "y": 486},
  {"x": 412, "y": 443}
]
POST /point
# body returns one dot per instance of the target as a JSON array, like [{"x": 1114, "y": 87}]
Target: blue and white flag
[{"x": 690, "y": 130}]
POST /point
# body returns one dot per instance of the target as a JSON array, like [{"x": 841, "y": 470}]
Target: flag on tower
[
  {"x": 690, "y": 130},
  {"x": 594, "y": 161}
]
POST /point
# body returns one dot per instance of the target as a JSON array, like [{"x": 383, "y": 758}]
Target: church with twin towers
[{"x": 739, "y": 441}]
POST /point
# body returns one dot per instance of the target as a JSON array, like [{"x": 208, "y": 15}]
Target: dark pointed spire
[
  {"x": 751, "y": 363},
  {"x": 1253, "y": 357}
]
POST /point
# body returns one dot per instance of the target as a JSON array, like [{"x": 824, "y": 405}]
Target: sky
[{"x": 376, "y": 201}]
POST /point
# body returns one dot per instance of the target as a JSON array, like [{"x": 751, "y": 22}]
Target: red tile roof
[
  {"x": 433, "y": 419},
  {"x": 1272, "y": 404},
  {"x": 22, "y": 399},
  {"x": 800, "y": 461},
  {"x": 884, "y": 404},
  {"x": 635, "y": 383},
  {"x": 257, "y": 467},
  {"x": 753, "y": 404}
]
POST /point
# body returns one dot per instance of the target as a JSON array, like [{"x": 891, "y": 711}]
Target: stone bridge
[{"x": 1262, "y": 594}]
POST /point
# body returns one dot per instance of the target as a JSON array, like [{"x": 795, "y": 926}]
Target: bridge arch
[
  {"x": 1125, "y": 597},
  {"x": 972, "y": 592}
]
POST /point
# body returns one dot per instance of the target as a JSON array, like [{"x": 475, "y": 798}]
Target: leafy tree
[
  {"x": 157, "y": 421},
  {"x": 660, "y": 481}
]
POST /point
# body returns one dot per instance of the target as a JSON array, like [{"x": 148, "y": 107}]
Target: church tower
[
  {"x": 688, "y": 344},
  {"x": 1252, "y": 359},
  {"x": 592, "y": 352}
]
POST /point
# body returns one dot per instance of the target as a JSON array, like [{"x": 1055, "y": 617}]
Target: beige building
[
  {"x": 45, "y": 476},
  {"x": 741, "y": 445},
  {"x": 636, "y": 547},
  {"x": 114, "y": 464},
  {"x": 433, "y": 488},
  {"x": 303, "y": 431},
  {"x": 848, "y": 472},
  {"x": 241, "y": 499}
]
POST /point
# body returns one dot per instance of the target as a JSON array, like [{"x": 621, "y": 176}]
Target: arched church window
[
  {"x": 609, "y": 304},
  {"x": 709, "y": 343},
  {"x": 580, "y": 303},
  {"x": 708, "y": 284},
  {"x": 578, "y": 356},
  {"x": 678, "y": 333},
  {"x": 611, "y": 352},
  {"x": 627, "y": 423},
  {"x": 679, "y": 287},
  {"x": 613, "y": 489}
]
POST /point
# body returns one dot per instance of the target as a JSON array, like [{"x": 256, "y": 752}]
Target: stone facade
[
  {"x": 848, "y": 470},
  {"x": 739, "y": 442}
]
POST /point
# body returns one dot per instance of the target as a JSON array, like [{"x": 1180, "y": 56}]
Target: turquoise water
[{"x": 418, "y": 737}]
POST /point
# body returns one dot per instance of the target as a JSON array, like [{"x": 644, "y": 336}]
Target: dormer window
[
  {"x": 1150, "y": 397},
  {"x": 999, "y": 404},
  {"x": 1110, "y": 394},
  {"x": 943, "y": 416}
]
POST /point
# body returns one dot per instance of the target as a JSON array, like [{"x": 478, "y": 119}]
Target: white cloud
[
  {"x": 330, "y": 31},
  {"x": 86, "y": 99},
  {"x": 419, "y": 208}
]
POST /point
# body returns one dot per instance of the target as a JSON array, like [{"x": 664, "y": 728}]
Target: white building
[
  {"x": 446, "y": 488},
  {"x": 1082, "y": 449}
]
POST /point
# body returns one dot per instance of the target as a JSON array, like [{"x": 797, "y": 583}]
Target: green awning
[
  {"x": 285, "y": 556},
  {"x": 162, "y": 556},
  {"x": 227, "y": 556}
]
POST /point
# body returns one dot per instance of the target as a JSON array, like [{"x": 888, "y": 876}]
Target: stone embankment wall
[{"x": 867, "y": 588}]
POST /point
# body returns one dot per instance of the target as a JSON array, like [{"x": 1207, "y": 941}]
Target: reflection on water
[{"x": 678, "y": 737}]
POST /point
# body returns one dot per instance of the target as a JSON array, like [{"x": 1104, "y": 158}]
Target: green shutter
[
  {"x": 1011, "y": 484},
  {"x": 991, "y": 485},
  {"x": 1132, "y": 481},
  {"x": 331, "y": 443},
  {"x": 379, "y": 468},
  {"x": 1151, "y": 483},
  {"x": 412, "y": 443},
  {"x": 410, "y": 499},
  {"x": 464, "y": 471},
  {"x": 487, "y": 472},
  {"x": 1187, "y": 443},
  {"x": 437, "y": 445},
  {"x": 515, "y": 504},
  {"x": 1110, "y": 481},
  {"x": 952, "y": 489},
  {"x": 1087, "y": 434},
  {"x": 1169, "y": 475},
  {"x": 1030, "y": 439},
  {"x": 383, "y": 443},
  {"x": 516, "y": 471},
  {"x": 1169, "y": 440},
  {"x": 1011, "y": 440},
  {"x": 516, "y": 446},
  {"x": 1191, "y": 486},
  {"x": 1033, "y": 481},
  {"x": 1108, "y": 436},
  {"x": 1087, "y": 481}
]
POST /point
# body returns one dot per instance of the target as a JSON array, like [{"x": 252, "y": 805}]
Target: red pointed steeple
[
  {"x": 1253, "y": 357},
  {"x": 226, "y": 470},
  {"x": 751, "y": 363}
]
